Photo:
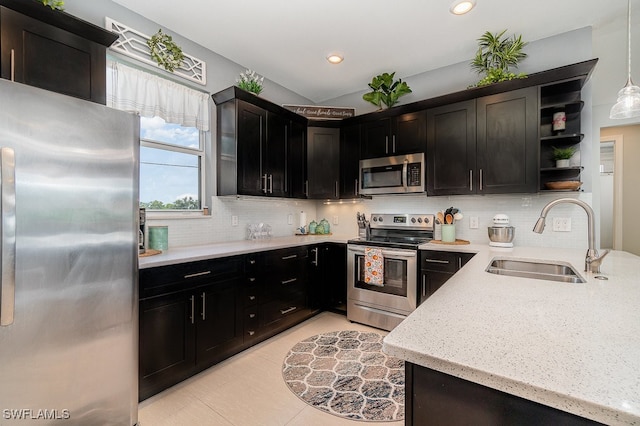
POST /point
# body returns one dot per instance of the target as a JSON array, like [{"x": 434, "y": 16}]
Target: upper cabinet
[
  {"x": 402, "y": 134},
  {"x": 253, "y": 141},
  {"x": 562, "y": 101},
  {"x": 53, "y": 50},
  {"x": 323, "y": 162},
  {"x": 484, "y": 146},
  {"x": 349, "y": 161}
]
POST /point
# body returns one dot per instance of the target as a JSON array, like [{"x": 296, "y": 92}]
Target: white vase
[{"x": 562, "y": 163}]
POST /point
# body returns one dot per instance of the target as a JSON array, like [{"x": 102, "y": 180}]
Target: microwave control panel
[{"x": 414, "y": 174}]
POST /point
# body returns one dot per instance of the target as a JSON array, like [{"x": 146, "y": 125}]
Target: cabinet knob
[
  {"x": 252, "y": 298},
  {"x": 251, "y": 332}
]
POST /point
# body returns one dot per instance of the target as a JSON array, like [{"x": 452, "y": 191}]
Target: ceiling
[{"x": 287, "y": 41}]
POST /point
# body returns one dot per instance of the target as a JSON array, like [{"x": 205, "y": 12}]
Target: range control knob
[
  {"x": 426, "y": 220},
  {"x": 413, "y": 220},
  {"x": 375, "y": 219},
  {"x": 419, "y": 220},
  {"x": 380, "y": 219}
]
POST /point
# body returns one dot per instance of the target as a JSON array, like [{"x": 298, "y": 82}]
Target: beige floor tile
[
  {"x": 247, "y": 389},
  {"x": 313, "y": 417}
]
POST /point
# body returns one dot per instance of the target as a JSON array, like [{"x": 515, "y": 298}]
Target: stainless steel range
[{"x": 385, "y": 298}]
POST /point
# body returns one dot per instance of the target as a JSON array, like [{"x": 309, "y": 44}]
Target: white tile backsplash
[{"x": 523, "y": 211}]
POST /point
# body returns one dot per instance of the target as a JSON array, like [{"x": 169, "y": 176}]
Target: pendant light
[{"x": 628, "y": 104}]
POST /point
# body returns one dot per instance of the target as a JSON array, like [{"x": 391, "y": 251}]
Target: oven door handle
[{"x": 387, "y": 253}]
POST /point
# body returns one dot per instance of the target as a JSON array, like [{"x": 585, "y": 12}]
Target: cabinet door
[
  {"x": 409, "y": 134},
  {"x": 451, "y": 149},
  {"x": 51, "y": 58},
  {"x": 297, "y": 159},
  {"x": 328, "y": 277},
  {"x": 167, "y": 336},
  {"x": 375, "y": 138},
  {"x": 251, "y": 126},
  {"x": 219, "y": 328},
  {"x": 349, "y": 161},
  {"x": 430, "y": 282},
  {"x": 507, "y": 138},
  {"x": 275, "y": 157},
  {"x": 323, "y": 162}
]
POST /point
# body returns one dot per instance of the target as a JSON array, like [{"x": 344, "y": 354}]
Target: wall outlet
[
  {"x": 335, "y": 220},
  {"x": 234, "y": 220},
  {"x": 289, "y": 219},
  {"x": 473, "y": 222},
  {"x": 562, "y": 224}
]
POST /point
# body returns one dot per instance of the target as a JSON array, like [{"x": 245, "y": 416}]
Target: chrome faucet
[{"x": 592, "y": 261}]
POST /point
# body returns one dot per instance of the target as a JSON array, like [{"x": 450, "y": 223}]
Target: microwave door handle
[{"x": 405, "y": 180}]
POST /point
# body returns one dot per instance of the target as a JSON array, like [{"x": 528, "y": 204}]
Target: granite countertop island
[{"x": 574, "y": 347}]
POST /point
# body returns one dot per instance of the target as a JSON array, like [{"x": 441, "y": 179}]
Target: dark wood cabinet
[
  {"x": 53, "y": 50},
  {"x": 297, "y": 160},
  {"x": 323, "y": 162},
  {"x": 349, "y": 161},
  {"x": 436, "y": 267},
  {"x": 190, "y": 317},
  {"x": 451, "y": 148},
  {"x": 402, "y": 134},
  {"x": 507, "y": 142},
  {"x": 436, "y": 398},
  {"x": 253, "y": 145},
  {"x": 328, "y": 277},
  {"x": 484, "y": 146}
]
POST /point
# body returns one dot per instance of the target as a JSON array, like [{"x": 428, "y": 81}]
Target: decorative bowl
[{"x": 568, "y": 185}]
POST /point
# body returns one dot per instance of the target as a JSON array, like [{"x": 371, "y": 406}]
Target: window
[
  {"x": 173, "y": 125},
  {"x": 170, "y": 165}
]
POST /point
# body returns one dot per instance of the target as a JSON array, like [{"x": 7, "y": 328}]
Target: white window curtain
[{"x": 131, "y": 89}]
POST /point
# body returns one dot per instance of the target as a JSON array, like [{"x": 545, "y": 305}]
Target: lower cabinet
[
  {"x": 435, "y": 398},
  {"x": 197, "y": 314},
  {"x": 328, "y": 279},
  {"x": 436, "y": 267},
  {"x": 190, "y": 317}
]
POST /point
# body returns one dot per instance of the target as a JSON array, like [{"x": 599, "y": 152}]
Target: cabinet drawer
[
  {"x": 440, "y": 261},
  {"x": 279, "y": 309},
  {"x": 285, "y": 257},
  {"x": 167, "y": 279}
]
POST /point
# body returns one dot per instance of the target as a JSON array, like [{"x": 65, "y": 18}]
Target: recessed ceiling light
[
  {"x": 461, "y": 7},
  {"x": 335, "y": 58}
]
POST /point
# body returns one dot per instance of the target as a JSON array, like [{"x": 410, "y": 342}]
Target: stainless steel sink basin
[{"x": 531, "y": 268}]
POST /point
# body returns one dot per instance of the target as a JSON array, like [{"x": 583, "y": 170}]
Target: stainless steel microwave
[{"x": 400, "y": 174}]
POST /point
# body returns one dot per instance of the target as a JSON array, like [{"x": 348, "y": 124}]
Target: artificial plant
[
  {"x": 496, "y": 55},
  {"x": 385, "y": 90}
]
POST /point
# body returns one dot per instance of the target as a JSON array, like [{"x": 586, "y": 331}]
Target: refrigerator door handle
[{"x": 8, "y": 235}]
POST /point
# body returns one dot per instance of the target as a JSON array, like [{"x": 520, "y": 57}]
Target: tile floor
[{"x": 248, "y": 389}]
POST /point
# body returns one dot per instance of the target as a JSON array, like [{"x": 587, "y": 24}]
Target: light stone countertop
[
  {"x": 173, "y": 256},
  {"x": 574, "y": 347}
]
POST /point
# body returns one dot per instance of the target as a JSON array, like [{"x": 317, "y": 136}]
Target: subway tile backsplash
[{"x": 523, "y": 211}]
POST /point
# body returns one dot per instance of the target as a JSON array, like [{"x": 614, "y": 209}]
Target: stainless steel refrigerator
[{"x": 69, "y": 212}]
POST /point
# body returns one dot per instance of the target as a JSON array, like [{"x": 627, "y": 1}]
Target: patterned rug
[{"x": 345, "y": 373}]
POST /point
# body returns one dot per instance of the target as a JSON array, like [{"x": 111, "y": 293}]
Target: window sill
[{"x": 173, "y": 215}]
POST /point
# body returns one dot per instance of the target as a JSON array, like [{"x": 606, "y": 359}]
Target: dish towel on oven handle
[{"x": 373, "y": 266}]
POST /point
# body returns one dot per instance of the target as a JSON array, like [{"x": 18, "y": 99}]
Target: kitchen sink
[{"x": 536, "y": 269}]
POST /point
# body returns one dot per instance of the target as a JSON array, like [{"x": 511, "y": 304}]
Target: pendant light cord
[{"x": 629, "y": 40}]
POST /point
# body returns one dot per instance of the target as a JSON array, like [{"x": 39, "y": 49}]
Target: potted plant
[
  {"x": 562, "y": 156},
  {"x": 53, "y": 4},
  {"x": 385, "y": 90},
  {"x": 496, "y": 55},
  {"x": 250, "y": 81}
]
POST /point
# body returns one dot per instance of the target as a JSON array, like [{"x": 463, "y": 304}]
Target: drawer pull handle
[
  {"x": 197, "y": 274},
  {"x": 252, "y": 262},
  {"x": 292, "y": 280},
  {"x": 251, "y": 333},
  {"x": 286, "y": 311},
  {"x": 293, "y": 256},
  {"x": 252, "y": 279},
  {"x": 193, "y": 309},
  {"x": 204, "y": 296},
  {"x": 437, "y": 261},
  {"x": 252, "y": 298},
  {"x": 252, "y": 315}
]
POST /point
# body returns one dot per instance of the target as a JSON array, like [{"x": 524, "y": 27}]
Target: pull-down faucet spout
[{"x": 592, "y": 260}]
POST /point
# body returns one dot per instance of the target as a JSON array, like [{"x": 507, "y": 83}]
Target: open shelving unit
[{"x": 560, "y": 96}]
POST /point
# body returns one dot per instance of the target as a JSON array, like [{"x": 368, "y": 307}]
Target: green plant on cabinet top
[
  {"x": 385, "y": 90},
  {"x": 496, "y": 55}
]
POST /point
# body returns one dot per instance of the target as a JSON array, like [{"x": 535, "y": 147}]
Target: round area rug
[{"x": 345, "y": 373}]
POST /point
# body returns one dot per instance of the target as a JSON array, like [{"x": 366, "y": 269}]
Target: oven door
[{"x": 398, "y": 292}]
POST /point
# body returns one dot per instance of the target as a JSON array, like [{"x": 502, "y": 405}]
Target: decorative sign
[
  {"x": 322, "y": 112},
  {"x": 133, "y": 43}
]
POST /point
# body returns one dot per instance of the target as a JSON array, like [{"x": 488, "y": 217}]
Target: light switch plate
[
  {"x": 234, "y": 220},
  {"x": 473, "y": 222}
]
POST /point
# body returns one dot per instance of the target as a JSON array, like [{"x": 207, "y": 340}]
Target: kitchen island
[{"x": 572, "y": 347}]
